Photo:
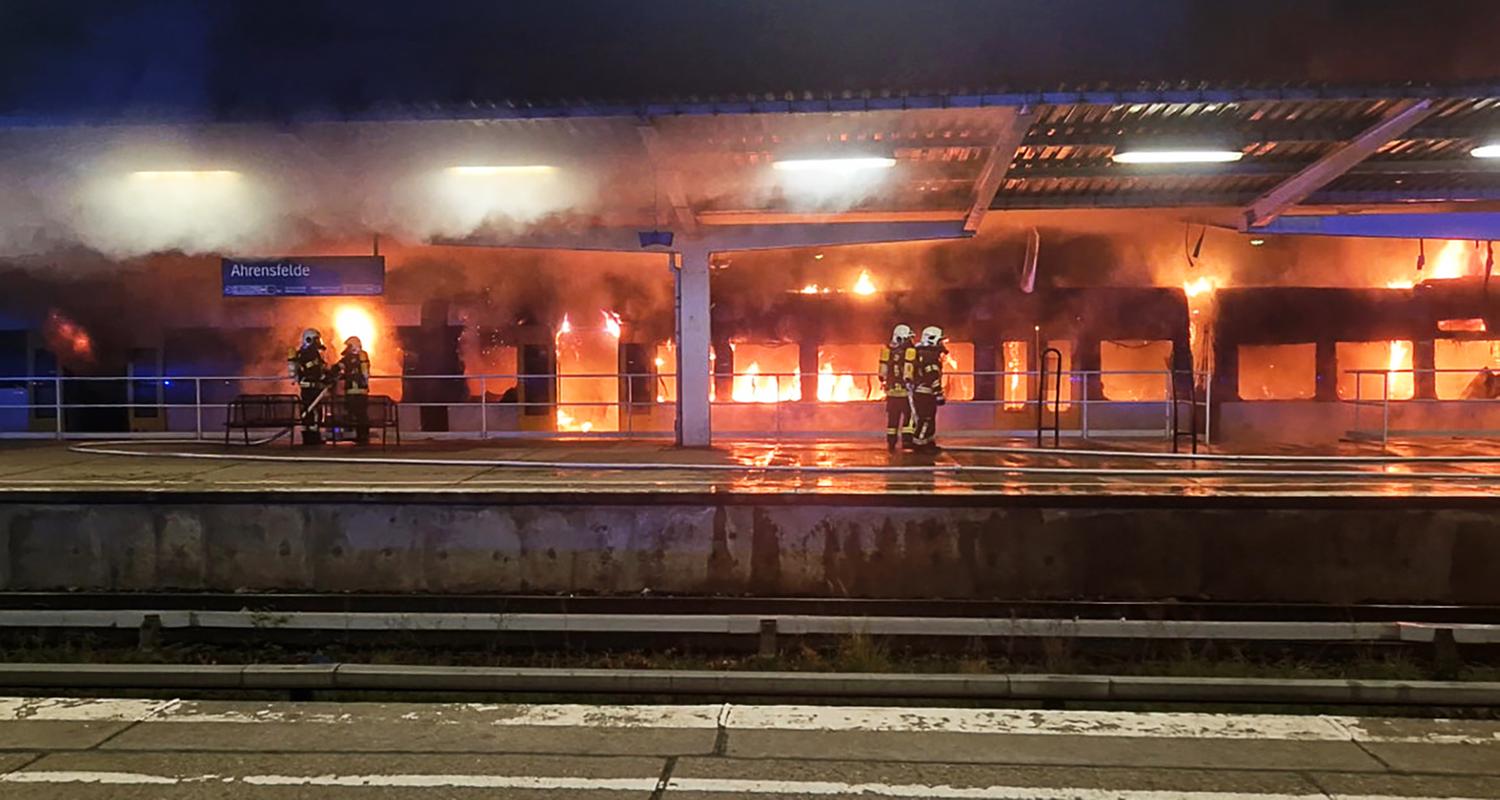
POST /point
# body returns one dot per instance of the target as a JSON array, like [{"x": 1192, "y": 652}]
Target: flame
[
  {"x": 1451, "y": 262},
  {"x": 67, "y": 338},
  {"x": 1400, "y": 284},
  {"x": 751, "y": 387},
  {"x": 1015, "y": 364},
  {"x": 611, "y": 323},
  {"x": 837, "y": 387},
  {"x": 565, "y": 422},
  {"x": 864, "y": 286},
  {"x": 1201, "y": 285},
  {"x": 566, "y": 327},
  {"x": 355, "y": 320},
  {"x": 813, "y": 288},
  {"x": 1399, "y": 384},
  {"x": 1472, "y": 325}
]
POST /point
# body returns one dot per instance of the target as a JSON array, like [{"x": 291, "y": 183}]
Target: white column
[{"x": 693, "y": 423}]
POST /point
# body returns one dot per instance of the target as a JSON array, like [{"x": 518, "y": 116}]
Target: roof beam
[
  {"x": 1293, "y": 190},
  {"x": 668, "y": 181},
  {"x": 1453, "y": 225},
  {"x": 1012, "y": 128},
  {"x": 1257, "y": 167}
]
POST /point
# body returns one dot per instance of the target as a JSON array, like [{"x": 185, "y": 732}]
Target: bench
[
  {"x": 263, "y": 411},
  {"x": 382, "y": 413}
]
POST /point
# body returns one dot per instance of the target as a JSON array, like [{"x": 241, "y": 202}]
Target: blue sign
[{"x": 311, "y": 276}]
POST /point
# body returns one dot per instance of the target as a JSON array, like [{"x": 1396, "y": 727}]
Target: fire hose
[{"x": 310, "y": 408}]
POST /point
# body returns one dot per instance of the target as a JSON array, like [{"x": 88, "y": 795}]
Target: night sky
[{"x": 63, "y": 60}]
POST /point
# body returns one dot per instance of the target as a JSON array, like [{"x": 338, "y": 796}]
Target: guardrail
[
  {"x": 194, "y": 406},
  {"x": 1387, "y": 404}
]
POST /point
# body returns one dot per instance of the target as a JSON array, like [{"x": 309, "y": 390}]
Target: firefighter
[
  {"x": 896, "y": 364},
  {"x": 354, "y": 371},
  {"x": 305, "y": 365},
  {"x": 927, "y": 387}
]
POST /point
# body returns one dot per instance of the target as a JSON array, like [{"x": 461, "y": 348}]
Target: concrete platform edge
[{"x": 370, "y": 677}]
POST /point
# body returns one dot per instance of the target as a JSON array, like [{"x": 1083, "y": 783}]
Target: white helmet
[
  {"x": 932, "y": 336},
  {"x": 311, "y": 336},
  {"x": 353, "y": 344},
  {"x": 901, "y": 334}
]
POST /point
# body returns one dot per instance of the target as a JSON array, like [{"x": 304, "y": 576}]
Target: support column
[
  {"x": 693, "y": 337},
  {"x": 1424, "y": 356},
  {"x": 1328, "y": 371}
]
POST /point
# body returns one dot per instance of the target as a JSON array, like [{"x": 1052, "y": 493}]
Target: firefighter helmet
[
  {"x": 311, "y": 337},
  {"x": 901, "y": 334},
  {"x": 353, "y": 345},
  {"x": 932, "y": 336}
]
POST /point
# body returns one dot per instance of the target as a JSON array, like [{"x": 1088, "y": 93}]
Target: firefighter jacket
[
  {"x": 896, "y": 369},
  {"x": 354, "y": 369},
  {"x": 929, "y": 370},
  {"x": 307, "y": 367}
]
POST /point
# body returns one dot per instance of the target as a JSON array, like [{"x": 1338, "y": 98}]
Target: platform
[
  {"x": 78, "y": 748},
  {"x": 825, "y": 519},
  {"x": 751, "y": 467}
]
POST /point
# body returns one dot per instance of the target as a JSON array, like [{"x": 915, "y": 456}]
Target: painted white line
[
  {"x": 458, "y": 782},
  {"x": 111, "y": 778},
  {"x": 943, "y": 792},
  {"x": 1116, "y": 724},
  {"x": 66, "y": 709},
  {"x": 1121, "y": 724},
  {"x": 648, "y": 784}
]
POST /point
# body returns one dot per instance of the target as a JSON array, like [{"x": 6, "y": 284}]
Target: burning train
[{"x": 793, "y": 356}]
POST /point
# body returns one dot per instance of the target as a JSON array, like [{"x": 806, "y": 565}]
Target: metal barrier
[
  {"x": 195, "y": 407},
  {"x": 1041, "y": 395},
  {"x": 1387, "y": 404}
]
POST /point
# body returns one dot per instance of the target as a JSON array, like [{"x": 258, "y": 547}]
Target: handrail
[{"x": 1041, "y": 400}]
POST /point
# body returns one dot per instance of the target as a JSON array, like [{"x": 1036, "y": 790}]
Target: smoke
[{"x": 257, "y": 190}]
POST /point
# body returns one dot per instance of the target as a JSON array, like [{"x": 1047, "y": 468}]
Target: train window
[
  {"x": 958, "y": 371},
  {"x": 1139, "y": 369},
  {"x": 848, "y": 372},
  {"x": 766, "y": 373},
  {"x": 1468, "y": 355},
  {"x": 1278, "y": 371},
  {"x": 1392, "y": 355}
]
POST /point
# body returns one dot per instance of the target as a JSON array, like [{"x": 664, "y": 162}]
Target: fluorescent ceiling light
[
  {"x": 512, "y": 169},
  {"x": 1486, "y": 151},
  {"x": 833, "y": 164},
  {"x": 1204, "y": 156},
  {"x": 185, "y": 174}
]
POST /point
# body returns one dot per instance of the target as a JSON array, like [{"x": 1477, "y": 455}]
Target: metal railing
[
  {"x": 1387, "y": 404},
  {"x": 498, "y": 405}
]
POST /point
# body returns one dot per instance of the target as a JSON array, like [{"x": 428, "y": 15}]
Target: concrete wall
[{"x": 1383, "y": 552}]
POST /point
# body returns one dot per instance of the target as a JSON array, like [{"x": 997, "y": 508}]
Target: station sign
[{"x": 305, "y": 276}]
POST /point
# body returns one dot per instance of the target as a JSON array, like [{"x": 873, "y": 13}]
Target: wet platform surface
[{"x": 1458, "y": 469}]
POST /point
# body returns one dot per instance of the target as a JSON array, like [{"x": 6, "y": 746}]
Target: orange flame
[
  {"x": 67, "y": 338},
  {"x": 356, "y": 320},
  {"x": 565, "y": 422},
  {"x": 611, "y": 323},
  {"x": 1198, "y": 286},
  {"x": 1015, "y": 364},
  {"x": 566, "y": 327},
  {"x": 864, "y": 286},
  {"x": 1399, "y": 384}
]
